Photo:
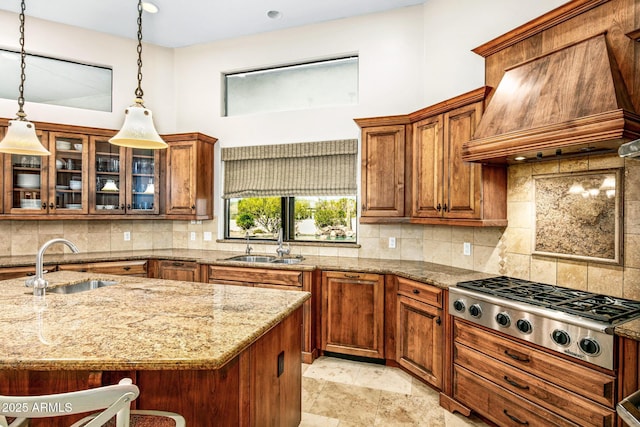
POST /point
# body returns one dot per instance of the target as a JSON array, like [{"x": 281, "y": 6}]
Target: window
[
  {"x": 293, "y": 87},
  {"x": 310, "y": 219},
  {"x": 57, "y": 82}
]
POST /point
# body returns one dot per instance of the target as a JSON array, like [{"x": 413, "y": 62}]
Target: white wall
[
  {"x": 66, "y": 42},
  {"x": 391, "y": 78},
  {"x": 454, "y": 27}
]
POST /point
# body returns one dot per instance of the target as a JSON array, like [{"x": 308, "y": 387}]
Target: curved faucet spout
[{"x": 38, "y": 281}]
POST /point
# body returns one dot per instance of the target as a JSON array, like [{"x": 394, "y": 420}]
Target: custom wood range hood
[{"x": 570, "y": 101}]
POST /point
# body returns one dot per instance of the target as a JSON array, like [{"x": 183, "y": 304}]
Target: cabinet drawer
[
  {"x": 587, "y": 382},
  {"x": 498, "y": 405},
  {"x": 124, "y": 268},
  {"x": 543, "y": 393},
  {"x": 421, "y": 292},
  {"x": 255, "y": 275}
]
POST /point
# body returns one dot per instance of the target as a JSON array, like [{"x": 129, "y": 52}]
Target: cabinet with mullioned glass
[{"x": 123, "y": 179}]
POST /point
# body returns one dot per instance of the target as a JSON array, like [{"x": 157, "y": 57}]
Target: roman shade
[{"x": 324, "y": 168}]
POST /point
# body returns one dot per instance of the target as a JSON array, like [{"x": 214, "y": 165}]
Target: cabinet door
[
  {"x": 420, "y": 339},
  {"x": 26, "y": 182},
  {"x": 383, "y": 171},
  {"x": 68, "y": 175},
  {"x": 3, "y": 129},
  {"x": 143, "y": 173},
  {"x": 353, "y": 313},
  {"x": 428, "y": 158},
  {"x": 182, "y": 163},
  {"x": 462, "y": 180},
  {"x": 106, "y": 177},
  {"x": 179, "y": 270}
]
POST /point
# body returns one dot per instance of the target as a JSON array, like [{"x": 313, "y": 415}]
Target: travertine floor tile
[{"x": 344, "y": 393}]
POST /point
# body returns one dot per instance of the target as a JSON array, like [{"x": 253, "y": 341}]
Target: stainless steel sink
[
  {"x": 287, "y": 260},
  {"x": 252, "y": 258},
  {"x": 81, "y": 286},
  {"x": 265, "y": 258}
]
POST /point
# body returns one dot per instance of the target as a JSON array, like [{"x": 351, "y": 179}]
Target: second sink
[
  {"x": 81, "y": 286},
  {"x": 252, "y": 258}
]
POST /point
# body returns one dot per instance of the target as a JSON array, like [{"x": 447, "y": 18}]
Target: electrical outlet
[
  {"x": 466, "y": 248},
  {"x": 127, "y": 236},
  {"x": 207, "y": 236},
  {"x": 392, "y": 242},
  {"x": 193, "y": 235}
]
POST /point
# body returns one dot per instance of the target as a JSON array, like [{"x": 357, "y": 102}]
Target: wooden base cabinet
[
  {"x": 353, "y": 313},
  {"x": 294, "y": 280},
  {"x": 420, "y": 336},
  {"x": 512, "y": 383},
  {"x": 186, "y": 271},
  {"x": 122, "y": 268}
]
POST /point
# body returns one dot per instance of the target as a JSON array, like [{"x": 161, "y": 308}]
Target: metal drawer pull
[
  {"x": 178, "y": 264},
  {"x": 516, "y": 357},
  {"x": 515, "y": 384},
  {"x": 352, "y": 276},
  {"x": 515, "y": 419},
  {"x": 438, "y": 320},
  {"x": 416, "y": 291},
  {"x": 126, "y": 268}
]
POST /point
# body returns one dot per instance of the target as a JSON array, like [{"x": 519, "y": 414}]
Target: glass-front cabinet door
[
  {"x": 108, "y": 177},
  {"x": 26, "y": 182},
  {"x": 142, "y": 192},
  {"x": 68, "y": 174}
]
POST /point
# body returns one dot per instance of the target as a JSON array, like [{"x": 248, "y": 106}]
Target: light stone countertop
[
  {"x": 137, "y": 324},
  {"x": 433, "y": 274}
]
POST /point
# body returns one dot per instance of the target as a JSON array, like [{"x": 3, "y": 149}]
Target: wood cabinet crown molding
[{"x": 531, "y": 28}]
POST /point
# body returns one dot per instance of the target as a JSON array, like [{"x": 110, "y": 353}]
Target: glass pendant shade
[
  {"x": 138, "y": 130},
  {"x": 21, "y": 138}
]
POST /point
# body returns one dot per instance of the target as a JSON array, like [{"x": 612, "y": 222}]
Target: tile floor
[{"x": 344, "y": 393}]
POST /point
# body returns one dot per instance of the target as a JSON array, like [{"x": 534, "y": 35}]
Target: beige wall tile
[
  {"x": 442, "y": 233},
  {"x": 99, "y": 227},
  {"x": 606, "y": 280},
  {"x": 631, "y": 283},
  {"x": 520, "y": 214},
  {"x": 605, "y": 162},
  {"x": 572, "y": 274},
  {"x": 390, "y": 230},
  {"x": 119, "y": 244},
  {"x": 632, "y": 217},
  {"x": 486, "y": 259},
  {"x": 458, "y": 259},
  {"x": 518, "y": 240},
  {"x": 24, "y": 244},
  {"x": 369, "y": 230},
  {"x": 442, "y": 253},
  {"x": 544, "y": 270},
  {"x": 327, "y": 251},
  {"x": 632, "y": 180},
  {"x": 632, "y": 250},
  {"x": 99, "y": 242},
  {"x": 462, "y": 234},
  {"x": 50, "y": 227},
  {"x": 487, "y": 236},
  {"x": 520, "y": 184},
  {"x": 411, "y": 231},
  {"x": 369, "y": 247},
  {"x": 142, "y": 227},
  {"x": 411, "y": 249},
  {"x": 24, "y": 227},
  {"x": 542, "y": 168},
  {"x": 518, "y": 266},
  {"x": 574, "y": 165}
]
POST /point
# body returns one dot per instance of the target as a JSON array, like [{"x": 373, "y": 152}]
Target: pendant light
[
  {"x": 21, "y": 135},
  {"x": 138, "y": 130}
]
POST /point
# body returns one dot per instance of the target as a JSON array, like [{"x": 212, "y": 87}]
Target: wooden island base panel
[{"x": 230, "y": 357}]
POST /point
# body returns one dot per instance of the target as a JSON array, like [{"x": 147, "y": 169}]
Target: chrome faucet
[
  {"x": 281, "y": 251},
  {"x": 248, "y": 248},
  {"x": 38, "y": 282}
]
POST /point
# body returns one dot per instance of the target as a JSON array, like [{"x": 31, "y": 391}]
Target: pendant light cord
[
  {"x": 21, "y": 114},
  {"x": 139, "y": 92}
]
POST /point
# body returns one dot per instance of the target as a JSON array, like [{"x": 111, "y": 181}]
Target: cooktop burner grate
[{"x": 593, "y": 306}]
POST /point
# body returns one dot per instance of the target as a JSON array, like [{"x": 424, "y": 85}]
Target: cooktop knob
[
  {"x": 475, "y": 311},
  {"x": 524, "y": 326},
  {"x": 560, "y": 337},
  {"x": 503, "y": 319},
  {"x": 458, "y": 305},
  {"x": 590, "y": 346}
]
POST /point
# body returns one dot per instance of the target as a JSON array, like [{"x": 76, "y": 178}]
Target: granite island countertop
[
  {"x": 138, "y": 323},
  {"x": 438, "y": 275}
]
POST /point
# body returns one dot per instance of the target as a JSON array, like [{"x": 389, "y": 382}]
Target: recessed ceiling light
[
  {"x": 519, "y": 158},
  {"x": 274, "y": 14},
  {"x": 149, "y": 7}
]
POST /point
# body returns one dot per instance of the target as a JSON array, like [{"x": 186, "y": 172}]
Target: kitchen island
[{"x": 219, "y": 355}]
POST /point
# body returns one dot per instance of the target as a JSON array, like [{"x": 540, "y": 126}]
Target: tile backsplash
[{"x": 492, "y": 250}]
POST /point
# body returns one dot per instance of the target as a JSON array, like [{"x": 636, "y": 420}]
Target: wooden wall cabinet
[
  {"x": 353, "y": 313},
  {"x": 420, "y": 330},
  {"x": 277, "y": 279},
  {"x": 189, "y": 176},
  {"x": 446, "y": 189},
  {"x": 385, "y": 176}
]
